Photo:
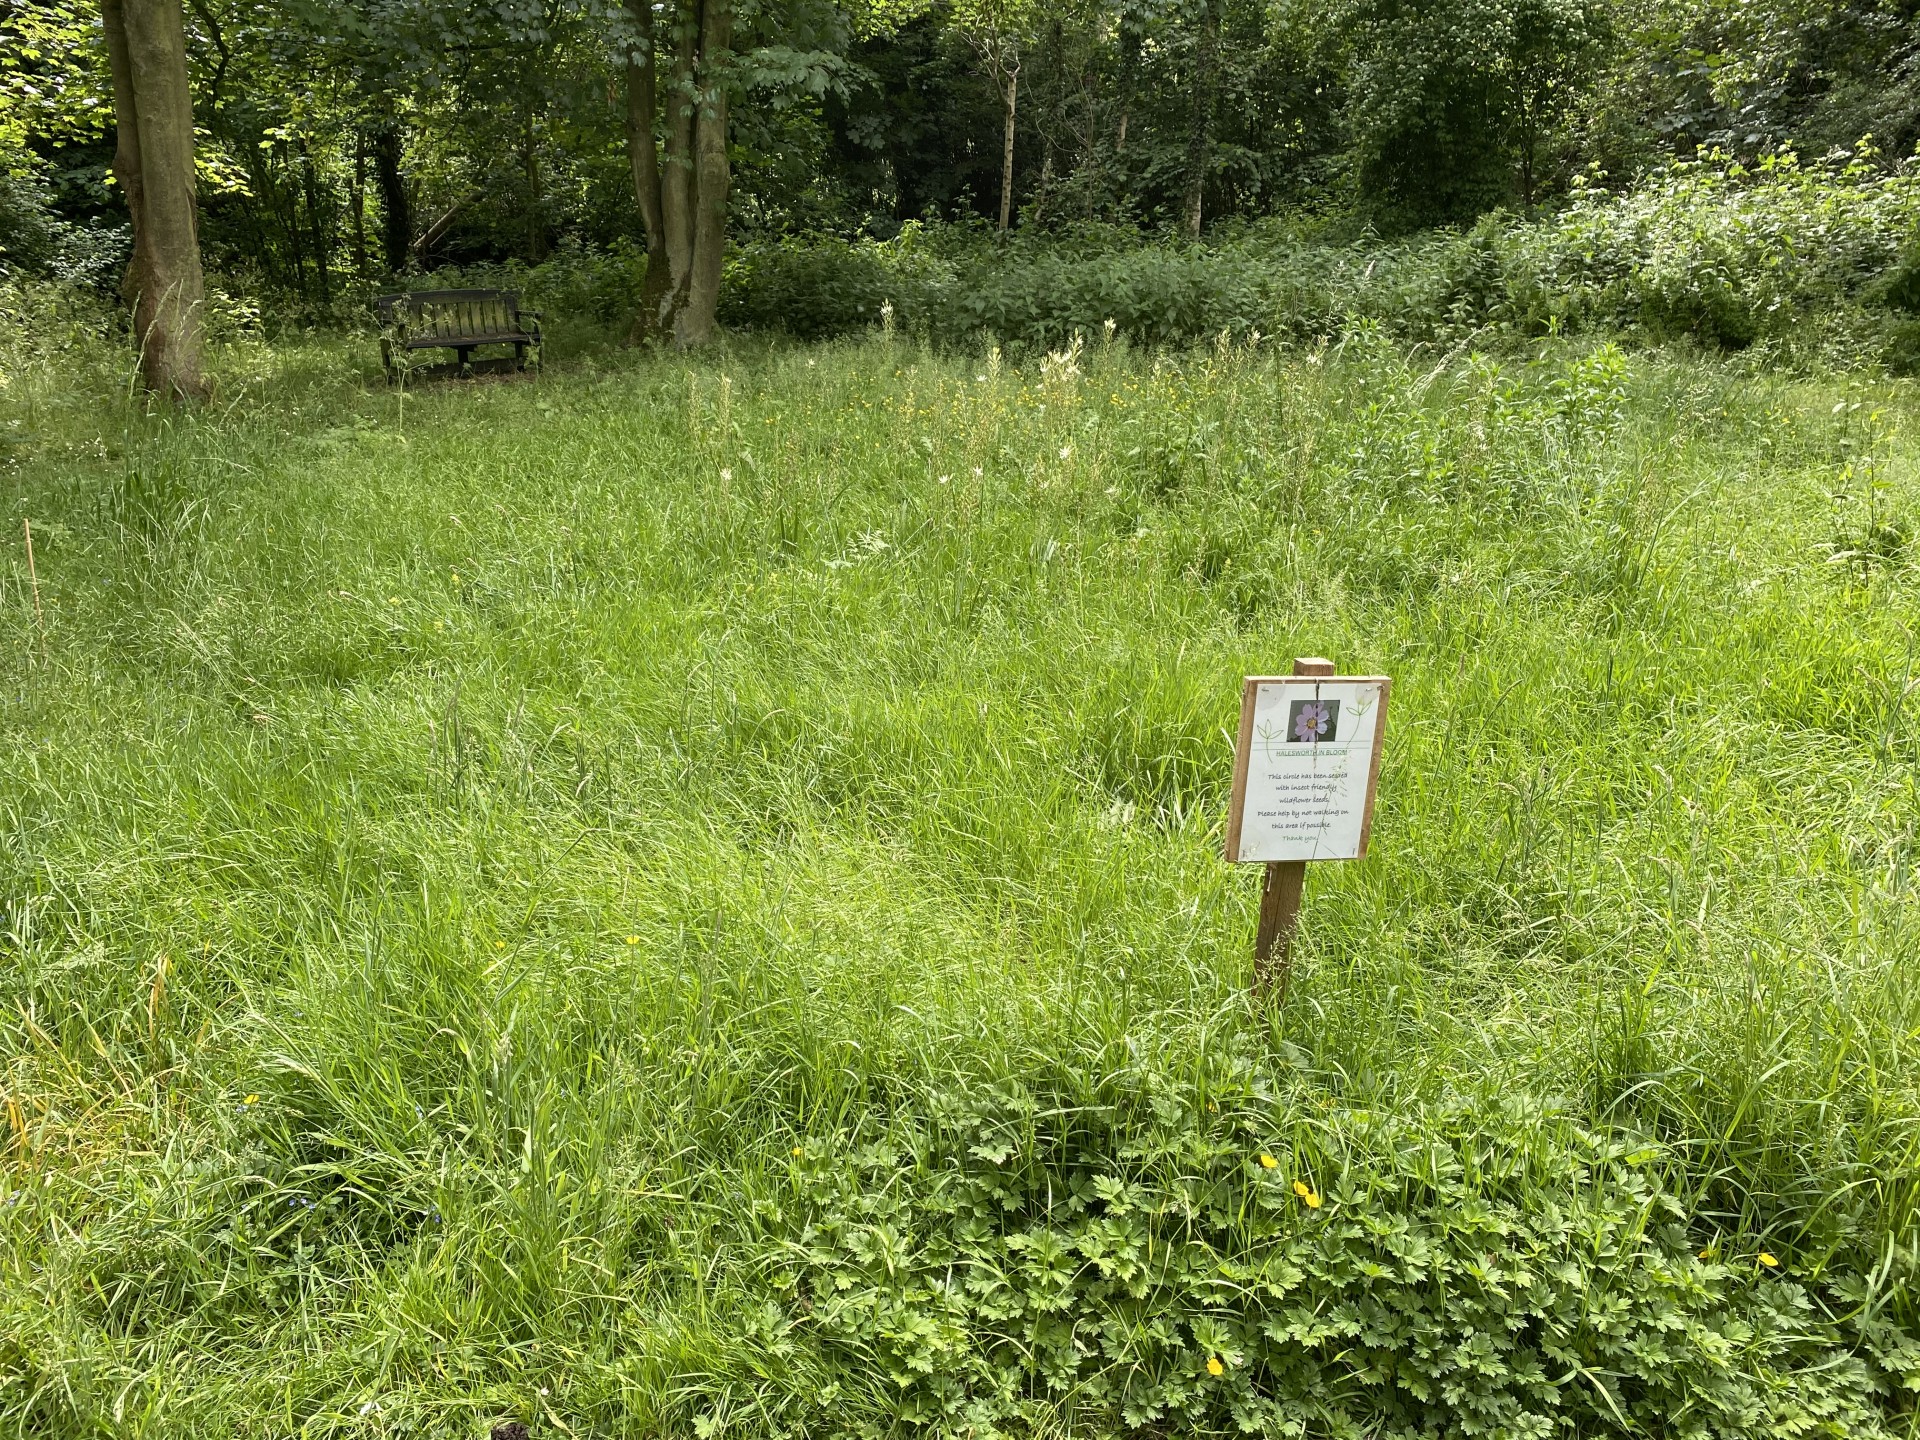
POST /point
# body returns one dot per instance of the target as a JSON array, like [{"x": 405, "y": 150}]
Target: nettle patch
[{"x": 1174, "y": 1263}]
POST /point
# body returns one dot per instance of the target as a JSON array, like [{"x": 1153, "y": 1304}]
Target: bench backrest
[{"x": 451, "y": 314}]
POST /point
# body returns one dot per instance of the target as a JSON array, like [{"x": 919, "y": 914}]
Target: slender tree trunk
[
  {"x": 396, "y": 215},
  {"x": 643, "y": 157},
  {"x": 1529, "y": 142},
  {"x": 694, "y": 325},
  {"x": 316, "y": 221},
  {"x": 153, "y": 160},
  {"x": 1206, "y": 88},
  {"x": 1012, "y": 94},
  {"x": 259, "y": 202},
  {"x": 530, "y": 167},
  {"x": 357, "y": 202},
  {"x": 285, "y": 200}
]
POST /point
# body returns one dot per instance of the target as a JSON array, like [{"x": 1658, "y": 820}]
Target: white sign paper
[{"x": 1305, "y": 776}]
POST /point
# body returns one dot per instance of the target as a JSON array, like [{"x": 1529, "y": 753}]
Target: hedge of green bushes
[
  {"x": 1816, "y": 260},
  {"x": 1804, "y": 263}
]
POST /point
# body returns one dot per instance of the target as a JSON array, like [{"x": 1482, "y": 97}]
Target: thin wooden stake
[
  {"x": 39, "y": 619},
  {"x": 1280, "y": 892},
  {"x": 1279, "y": 914}
]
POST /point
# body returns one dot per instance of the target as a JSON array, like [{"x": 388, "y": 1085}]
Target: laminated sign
[{"x": 1305, "y": 767}]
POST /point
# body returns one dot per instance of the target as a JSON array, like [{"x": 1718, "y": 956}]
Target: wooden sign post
[{"x": 1304, "y": 773}]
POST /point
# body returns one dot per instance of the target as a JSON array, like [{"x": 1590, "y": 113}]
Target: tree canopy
[{"x": 341, "y": 142}]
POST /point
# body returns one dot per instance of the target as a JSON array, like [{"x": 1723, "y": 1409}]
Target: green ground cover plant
[{"x": 683, "y": 896}]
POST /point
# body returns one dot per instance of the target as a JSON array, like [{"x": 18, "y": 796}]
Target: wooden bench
[{"x": 457, "y": 320}]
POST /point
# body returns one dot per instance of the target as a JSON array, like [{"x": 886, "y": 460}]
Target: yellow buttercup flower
[
  {"x": 1768, "y": 1261},
  {"x": 798, "y": 1151},
  {"x": 633, "y": 939},
  {"x": 1214, "y": 1367},
  {"x": 1267, "y": 1162},
  {"x": 1312, "y": 1199},
  {"x": 251, "y": 1100},
  {"x": 1302, "y": 1189}
]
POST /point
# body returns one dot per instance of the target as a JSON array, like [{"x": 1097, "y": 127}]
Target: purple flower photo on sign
[{"x": 1313, "y": 722}]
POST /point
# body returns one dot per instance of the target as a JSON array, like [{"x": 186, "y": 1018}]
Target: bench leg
[
  {"x": 386, "y": 361},
  {"x": 465, "y": 353},
  {"x": 519, "y": 355}
]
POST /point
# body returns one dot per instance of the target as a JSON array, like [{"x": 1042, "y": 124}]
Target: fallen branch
[{"x": 431, "y": 235}]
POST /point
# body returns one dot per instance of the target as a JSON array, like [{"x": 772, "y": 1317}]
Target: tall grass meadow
[{"x": 685, "y": 895}]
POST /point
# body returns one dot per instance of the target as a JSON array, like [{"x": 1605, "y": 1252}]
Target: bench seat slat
[{"x": 443, "y": 342}]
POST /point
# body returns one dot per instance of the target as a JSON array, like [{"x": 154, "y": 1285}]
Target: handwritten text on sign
[{"x": 1305, "y": 768}]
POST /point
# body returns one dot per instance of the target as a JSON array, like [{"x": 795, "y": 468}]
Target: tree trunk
[
  {"x": 682, "y": 194},
  {"x": 1529, "y": 144},
  {"x": 677, "y": 178},
  {"x": 530, "y": 166},
  {"x": 1129, "y": 78},
  {"x": 396, "y": 215},
  {"x": 357, "y": 202},
  {"x": 643, "y": 157},
  {"x": 694, "y": 324},
  {"x": 316, "y": 221},
  {"x": 153, "y": 160},
  {"x": 284, "y": 201},
  {"x": 1012, "y": 93},
  {"x": 1206, "y": 83}
]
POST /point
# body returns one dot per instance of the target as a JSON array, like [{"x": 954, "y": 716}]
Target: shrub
[
  {"x": 810, "y": 289},
  {"x": 37, "y": 243},
  {"x": 1802, "y": 257},
  {"x": 602, "y": 286}
]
